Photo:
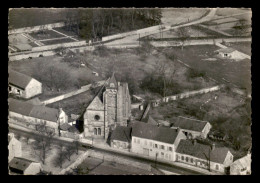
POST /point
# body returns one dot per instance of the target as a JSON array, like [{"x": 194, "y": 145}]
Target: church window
[
  {"x": 99, "y": 131},
  {"x": 95, "y": 131},
  {"x": 97, "y": 117}
]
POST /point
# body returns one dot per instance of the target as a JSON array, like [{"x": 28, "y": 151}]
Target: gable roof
[
  {"x": 18, "y": 79},
  {"x": 20, "y": 163},
  {"x": 36, "y": 111},
  {"x": 148, "y": 131},
  {"x": 96, "y": 104},
  {"x": 189, "y": 124},
  {"x": 243, "y": 162},
  {"x": 121, "y": 133},
  {"x": 45, "y": 113},
  {"x": 199, "y": 150}
]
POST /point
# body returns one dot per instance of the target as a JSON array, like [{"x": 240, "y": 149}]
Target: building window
[
  {"x": 97, "y": 117},
  {"x": 162, "y": 147},
  {"x": 217, "y": 168},
  {"x": 182, "y": 158},
  {"x": 95, "y": 131},
  {"x": 191, "y": 160},
  {"x": 155, "y": 145},
  {"x": 99, "y": 131},
  {"x": 162, "y": 154},
  {"x": 225, "y": 54},
  {"x": 187, "y": 159},
  {"x": 170, "y": 148}
]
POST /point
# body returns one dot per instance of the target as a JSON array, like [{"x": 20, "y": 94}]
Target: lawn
[
  {"x": 238, "y": 73},
  {"x": 58, "y": 41},
  {"x": 48, "y": 34}
]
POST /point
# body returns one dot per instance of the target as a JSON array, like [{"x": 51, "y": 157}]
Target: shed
[{"x": 24, "y": 166}]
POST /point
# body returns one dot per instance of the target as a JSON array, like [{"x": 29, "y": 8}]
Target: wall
[
  {"x": 33, "y": 169},
  {"x": 26, "y": 55},
  {"x": 33, "y": 88},
  {"x": 14, "y": 148},
  {"x": 35, "y": 28},
  {"x": 139, "y": 148}
]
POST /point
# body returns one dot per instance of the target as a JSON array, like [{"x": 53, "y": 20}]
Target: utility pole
[
  {"x": 139, "y": 39},
  {"x": 156, "y": 160}
]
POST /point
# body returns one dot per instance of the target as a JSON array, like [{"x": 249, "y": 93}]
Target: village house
[
  {"x": 204, "y": 156},
  {"x": 21, "y": 166},
  {"x": 241, "y": 166},
  {"x": 121, "y": 138},
  {"x": 154, "y": 141},
  {"x": 192, "y": 128},
  {"x": 32, "y": 116},
  {"x": 14, "y": 147},
  {"x": 229, "y": 53},
  {"x": 22, "y": 85},
  {"x": 111, "y": 107}
]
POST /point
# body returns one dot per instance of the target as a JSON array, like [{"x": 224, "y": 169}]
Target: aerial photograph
[{"x": 129, "y": 91}]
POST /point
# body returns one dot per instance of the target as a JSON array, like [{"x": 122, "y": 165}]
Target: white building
[
  {"x": 14, "y": 147},
  {"x": 154, "y": 141},
  {"x": 22, "y": 85},
  {"x": 204, "y": 156},
  {"x": 241, "y": 166}
]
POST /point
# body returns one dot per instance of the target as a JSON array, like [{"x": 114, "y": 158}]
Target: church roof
[{"x": 96, "y": 104}]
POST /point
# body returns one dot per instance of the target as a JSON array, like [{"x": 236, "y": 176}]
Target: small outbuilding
[{"x": 22, "y": 166}]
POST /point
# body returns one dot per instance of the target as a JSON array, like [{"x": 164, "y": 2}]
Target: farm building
[
  {"x": 21, "y": 166},
  {"x": 31, "y": 116},
  {"x": 230, "y": 53},
  {"x": 192, "y": 127},
  {"x": 198, "y": 154},
  {"x": 121, "y": 137},
  {"x": 23, "y": 85},
  {"x": 153, "y": 141},
  {"x": 241, "y": 166},
  {"x": 14, "y": 147}
]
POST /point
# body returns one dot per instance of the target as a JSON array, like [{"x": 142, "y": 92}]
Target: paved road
[{"x": 164, "y": 166}]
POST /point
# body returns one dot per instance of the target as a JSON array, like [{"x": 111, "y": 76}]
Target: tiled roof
[
  {"x": 20, "y": 163},
  {"x": 121, "y": 133},
  {"x": 18, "y": 79},
  {"x": 27, "y": 109},
  {"x": 148, "y": 131},
  {"x": 199, "y": 150},
  {"x": 189, "y": 124}
]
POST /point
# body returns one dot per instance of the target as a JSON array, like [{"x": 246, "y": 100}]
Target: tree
[
  {"x": 183, "y": 35},
  {"x": 43, "y": 140},
  {"x": 60, "y": 158},
  {"x": 76, "y": 146},
  {"x": 69, "y": 150}
]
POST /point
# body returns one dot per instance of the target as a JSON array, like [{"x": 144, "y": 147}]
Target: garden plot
[
  {"x": 20, "y": 39},
  {"x": 47, "y": 34}
]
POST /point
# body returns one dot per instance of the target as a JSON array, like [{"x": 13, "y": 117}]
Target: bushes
[{"x": 191, "y": 73}]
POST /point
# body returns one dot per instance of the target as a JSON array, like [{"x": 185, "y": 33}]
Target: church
[{"x": 111, "y": 107}]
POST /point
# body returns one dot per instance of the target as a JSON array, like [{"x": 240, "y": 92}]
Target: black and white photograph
[{"x": 129, "y": 91}]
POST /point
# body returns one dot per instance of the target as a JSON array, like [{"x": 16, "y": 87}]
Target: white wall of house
[
  {"x": 151, "y": 147},
  {"x": 33, "y": 169},
  {"x": 15, "y": 148},
  {"x": 120, "y": 144},
  {"x": 206, "y": 130},
  {"x": 16, "y": 91},
  {"x": 33, "y": 88}
]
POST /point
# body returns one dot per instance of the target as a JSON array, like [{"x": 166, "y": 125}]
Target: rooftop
[
  {"x": 189, "y": 124},
  {"x": 199, "y": 150},
  {"x": 121, "y": 133},
  {"x": 20, "y": 163},
  {"x": 18, "y": 79},
  {"x": 149, "y": 131}
]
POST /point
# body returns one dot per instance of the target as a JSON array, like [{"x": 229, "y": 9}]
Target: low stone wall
[
  {"x": 120, "y": 160},
  {"x": 63, "y": 45},
  {"x": 28, "y": 55},
  {"x": 35, "y": 28}
]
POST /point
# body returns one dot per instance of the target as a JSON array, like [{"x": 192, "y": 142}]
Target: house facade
[
  {"x": 241, "y": 166},
  {"x": 218, "y": 159},
  {"x": 32, "y": 116},
  {"x": 192, "y": 128},
  {"x": 14, "y": 147},
  {"x": 111, "y": 107},
  {"x": 154, "y": 141},
  {"x": 22, "y": 85}
]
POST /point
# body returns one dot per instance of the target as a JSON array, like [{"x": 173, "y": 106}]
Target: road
[{"x": 164, "y": 166}]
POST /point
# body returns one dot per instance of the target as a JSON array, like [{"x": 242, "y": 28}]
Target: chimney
[{"x": 212, "y": 146}]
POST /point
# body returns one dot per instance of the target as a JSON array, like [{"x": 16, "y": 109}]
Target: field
[
  {"x": 48, "y": 34},
  {"x": 58, "y": 41},
  {"x": 176, "y": 15},
  {"x": 36, "y": 68},
  {"x": 94, "y": 166},
  {"x": 238, "y": 73},
  {"x": 226, "y": 111},
  {"x": 244, "y": 47}
]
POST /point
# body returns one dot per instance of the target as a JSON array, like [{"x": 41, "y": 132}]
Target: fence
[
  {"x": 36, "y": 28},
  {"x": 187, "y": 94},
  {"x": 70, "y": 94}
]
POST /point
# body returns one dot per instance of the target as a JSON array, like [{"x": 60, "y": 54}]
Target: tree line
[{"x": 95, "y": 23}]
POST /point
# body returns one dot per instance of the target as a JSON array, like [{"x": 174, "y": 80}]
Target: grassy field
[
  {"x": 226, "y": 111},
  {"x": 238, "y": 73},
  {"x": 48, "y": 34},
  {"x": 76, "y": 76}
]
